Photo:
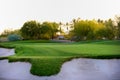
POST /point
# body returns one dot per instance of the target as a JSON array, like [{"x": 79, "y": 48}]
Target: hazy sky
[{"x": 13, "y": 13}]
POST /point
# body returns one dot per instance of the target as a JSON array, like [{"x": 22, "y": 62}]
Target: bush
[{"x": 14, "y": 37}]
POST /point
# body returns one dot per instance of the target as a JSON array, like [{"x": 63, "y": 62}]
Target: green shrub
[{"x": 14, "y": 37}]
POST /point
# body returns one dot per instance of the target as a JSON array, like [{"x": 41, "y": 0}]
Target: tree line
[
  {"x": 78, "y": 30},
  {"x": 94, "y": 30},
  {"x": 35, "y": 30}
]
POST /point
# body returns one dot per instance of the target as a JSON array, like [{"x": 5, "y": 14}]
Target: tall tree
[
  {"x": 86, "y": 29},
  {"x": 30, "y": 30},
  {"x": 118, "y": 26},
  {"x": 49, "y": 29},
  {"x": 110, "y": 29}
]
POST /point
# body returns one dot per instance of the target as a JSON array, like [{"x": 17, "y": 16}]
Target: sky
[{"x": 14, "y": 13}]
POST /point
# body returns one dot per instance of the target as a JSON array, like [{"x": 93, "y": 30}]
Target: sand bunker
[
  {"x": 6, "y": 52},
  {"x": 76, "y": 69}
]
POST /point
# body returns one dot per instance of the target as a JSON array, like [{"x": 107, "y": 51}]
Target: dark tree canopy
[
  {"x": 35, "y": 30},
  {"x": 30, "y": 30}
]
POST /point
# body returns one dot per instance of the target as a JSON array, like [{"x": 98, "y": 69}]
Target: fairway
[{"x": 47, "y": 57}]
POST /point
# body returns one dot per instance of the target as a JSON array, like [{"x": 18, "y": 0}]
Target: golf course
[{"x": 47, "y": 56}]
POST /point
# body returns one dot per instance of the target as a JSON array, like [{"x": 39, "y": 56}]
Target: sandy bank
[
  {"x": 6, "y": 52},
  {"x": 76, "y": 69}
]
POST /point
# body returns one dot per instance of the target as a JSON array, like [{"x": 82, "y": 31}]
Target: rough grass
[{"x": 47, "y": 57}]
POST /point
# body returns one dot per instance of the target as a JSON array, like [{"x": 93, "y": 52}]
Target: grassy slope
[{"x": 47, "y": 57}]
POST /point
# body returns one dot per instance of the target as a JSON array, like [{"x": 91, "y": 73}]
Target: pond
[{"x": 76, "y": 69}]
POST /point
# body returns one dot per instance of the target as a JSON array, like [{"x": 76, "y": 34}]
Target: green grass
[{"x": 47, "y": 57}]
